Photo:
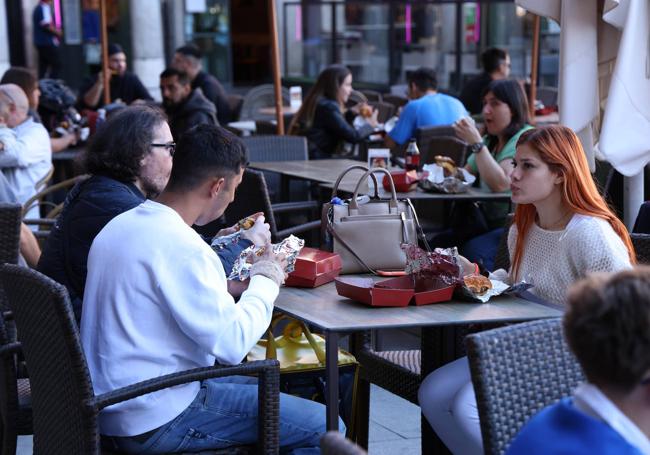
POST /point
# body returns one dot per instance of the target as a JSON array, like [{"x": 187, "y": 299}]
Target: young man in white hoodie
[{"x": 156, "y": 302}]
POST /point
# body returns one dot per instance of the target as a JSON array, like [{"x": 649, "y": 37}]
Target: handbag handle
[
  {"x": 272, "y": 344},
  {"x": 351, "y": 168},
  {"x": 393, "y": 196}
]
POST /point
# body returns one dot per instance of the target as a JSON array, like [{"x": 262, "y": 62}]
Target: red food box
[
  {"x": 365, "y": 290},
  {"x": 394, "y": 292},
  {"x": 404, "y": 181},
  {"x": 314, "y": 268}
]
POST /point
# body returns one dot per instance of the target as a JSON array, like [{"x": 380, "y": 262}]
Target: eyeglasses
[{"x": 170, "y": 146}]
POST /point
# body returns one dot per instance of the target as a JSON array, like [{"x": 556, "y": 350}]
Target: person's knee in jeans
[{"x": 483, "y": 248}]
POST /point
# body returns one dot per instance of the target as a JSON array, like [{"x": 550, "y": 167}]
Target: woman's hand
[{"x": 466, "y": 130}]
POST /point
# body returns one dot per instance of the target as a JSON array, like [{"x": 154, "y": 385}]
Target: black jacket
[
  {"x": 127, "y": 88},
  {"x": 195, "y": 110},
  {"x": 472, "y": 94},
  {"x": 330, "y": 129},
  {"x": 213, "y": 91}
]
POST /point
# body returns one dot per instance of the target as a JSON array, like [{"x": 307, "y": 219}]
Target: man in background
[
  {"x": 124, "y": 85},
  {"x": 46, "y": 39},
  {"x": 496, "y": 65},
  {"x": 188, "y": 59},
  {"x": 185, "y": 107},
  {"x": 427, "y": 107}
]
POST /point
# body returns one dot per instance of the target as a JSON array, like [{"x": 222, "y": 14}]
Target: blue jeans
[
  {"x": 483, "y": 248},
  {"x": 224, "y": 414}
]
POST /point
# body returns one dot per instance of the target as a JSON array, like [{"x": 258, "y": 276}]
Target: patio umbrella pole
[
  {"x": 104, "y": 39},
  {"x": 275, "y": 59},
  {"x": 534, "y": 66}
]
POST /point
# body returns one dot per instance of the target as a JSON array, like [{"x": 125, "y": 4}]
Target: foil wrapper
[
  {"x": 219, "y": 243},
  {"x": 498, "y": 288},
  {"x": 290, "y": 246},
  {"x": 440, "y": 264},
  {"x": 435, "y": 180}
]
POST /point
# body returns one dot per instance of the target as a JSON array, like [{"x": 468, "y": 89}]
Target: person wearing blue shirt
[
  {"x": 427, "y": 107},
  {"x": 607, "y": 327}
]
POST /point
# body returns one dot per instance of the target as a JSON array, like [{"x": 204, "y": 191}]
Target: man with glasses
[
  {"x": 130, "y": 160},
  {"x": 607, "y": 326},
  {"x": 496, "y": 65},
  {"x": 26, "y": 153},
  {"x": 186, "y": 107}
]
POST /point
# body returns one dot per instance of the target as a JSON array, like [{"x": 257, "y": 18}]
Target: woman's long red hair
[{"x": 560, "y": 149}]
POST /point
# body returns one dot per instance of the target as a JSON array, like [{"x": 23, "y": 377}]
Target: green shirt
[{"x": 496, "y": 212}]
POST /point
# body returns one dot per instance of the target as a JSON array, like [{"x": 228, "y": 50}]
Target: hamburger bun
[{"x": 477, "y": 284}]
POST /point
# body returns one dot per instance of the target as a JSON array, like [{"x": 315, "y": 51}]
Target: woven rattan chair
[
  {"x": 10, "y": 216},
  {"x": 396, "y": 100},
  {"x": 641, "y": 243},
  {"x": 65, "y": 408},
  {"x": 334, "y": 443},
  {"x": 517, "y": 371},
  {"x": 276, "y": 148},
  {"x": 253, "y": 196},
  {"x": 440, "y": 140},
  {"x": 384, "y": 110},
  {"x": 15, "y": 394}
]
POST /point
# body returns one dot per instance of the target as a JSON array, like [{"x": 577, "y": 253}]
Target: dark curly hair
[
  {"x": 121, "y": 142},
  {"x": 607, "y": 326}
]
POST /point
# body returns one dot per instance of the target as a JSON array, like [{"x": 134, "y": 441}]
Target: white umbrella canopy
[{"x": 605, "y": 67}]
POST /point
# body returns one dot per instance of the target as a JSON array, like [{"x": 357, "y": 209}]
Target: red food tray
[
  {"x": 312, "y": 282},
  {"x": 393, "y": 292}
]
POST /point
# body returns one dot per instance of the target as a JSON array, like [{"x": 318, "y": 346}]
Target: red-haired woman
[{"x": 562, "y": 230}]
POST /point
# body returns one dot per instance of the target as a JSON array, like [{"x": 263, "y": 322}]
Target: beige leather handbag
[{"x": 368, "y": 236}]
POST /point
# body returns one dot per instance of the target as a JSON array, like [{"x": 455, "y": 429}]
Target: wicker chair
[
  {"x": 641, "y": 243},
  {"x": 10, "y": 216},
  {"x": 15, "y": 393},
  {"x": 276, "y": 148},
  {"x": 384, "y": 110},
  {"x": 517, "y": 371},
  {"x": 65, "y": 408},
  {"x": 396, "y": 100},
  {"x": 235, "y": 102},
  {"x": 440, "y": 140},
  {"x": 372, "y": 95},
  {"x": 334, "y": 443},
  {"x": 253, "y": 196}
]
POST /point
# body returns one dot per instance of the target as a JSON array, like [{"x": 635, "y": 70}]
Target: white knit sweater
[{"x": 554, "y": 260}]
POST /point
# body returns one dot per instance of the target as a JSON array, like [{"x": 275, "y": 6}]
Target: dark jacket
[
  {"x": 127, "y": 88},
  {"x": 472, "y": 94},
  {"x": 195, "y": 110},
  {"x": 89, "y": 206},
  {"x": 330, "y": 129},
  {"x": 213, "y": 91}
]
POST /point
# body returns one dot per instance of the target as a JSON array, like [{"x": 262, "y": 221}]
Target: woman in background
[{"x": 323, "y": 119}]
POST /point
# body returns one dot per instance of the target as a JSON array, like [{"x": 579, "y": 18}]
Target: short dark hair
[
  {"x": 120, "y": 143},
  {"x": 22, "y": 77},
  {"x": 190, "y": 50},
  {"x": 206, "y": 151},
  {"x": 607, "y": 326},
  {"x": 182, "y": 76},
  {"x": 492, "y": 58},
  {"x": 423, "y": 78}
]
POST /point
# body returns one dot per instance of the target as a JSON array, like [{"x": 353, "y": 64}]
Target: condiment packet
[{"x": 290, "y": 246}]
